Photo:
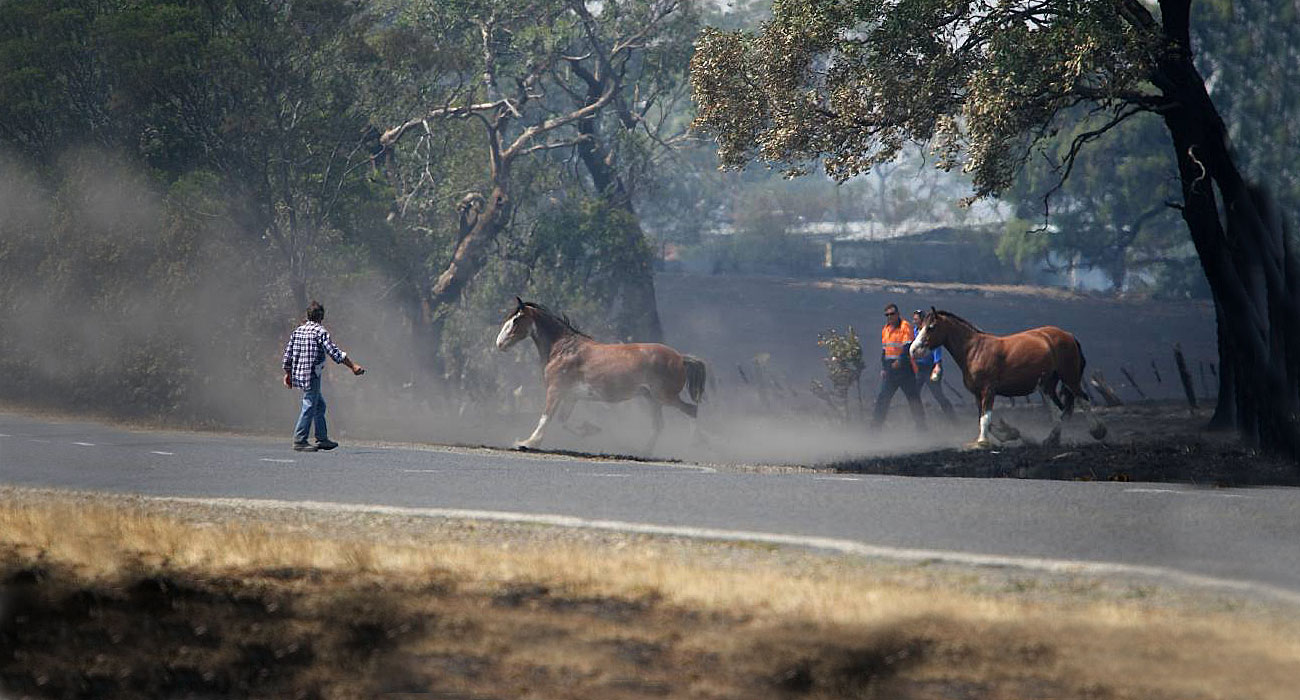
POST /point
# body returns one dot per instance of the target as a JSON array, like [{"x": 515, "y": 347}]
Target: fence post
[
  {"x": 1098, "y": 381},
  {"x": 1133, "y": 382},
  {"x": 1184, "y": 375}
]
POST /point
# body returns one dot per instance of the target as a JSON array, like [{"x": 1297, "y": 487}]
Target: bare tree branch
[
  {"x": 1077, "y": 145},
  {"x": 391, "y": 136},
  {"x": 551, "y": 145}
]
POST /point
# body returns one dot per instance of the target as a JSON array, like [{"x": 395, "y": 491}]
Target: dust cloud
[{"x": 125, "y": 301}]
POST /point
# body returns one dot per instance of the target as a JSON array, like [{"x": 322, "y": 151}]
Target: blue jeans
[{"x": 313, "y": 412}]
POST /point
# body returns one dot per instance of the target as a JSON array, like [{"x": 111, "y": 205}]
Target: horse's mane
[
  {"x": 958, "y": 319},
  {"x": 561, "y": 319}
]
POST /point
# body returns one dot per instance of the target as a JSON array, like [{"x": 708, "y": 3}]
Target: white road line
[
  {"x": 422, "y": 471},
  {"x": 843, "y": 546},
  {"x": 1189, "y": 492},
  {"x": 278, "y": 461},
  {"x": 837, "y": 478},
  {"x": 37, "y": 440},
  {"x": 160, "y": 452},
  {"x": 85, "y": 444},
  {"x": 615, "y": 476}
]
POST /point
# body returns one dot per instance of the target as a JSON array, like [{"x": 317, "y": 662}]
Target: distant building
[{"x": 942, "y": 254}]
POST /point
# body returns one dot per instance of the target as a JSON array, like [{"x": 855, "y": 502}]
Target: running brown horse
[
  {"x": 1039, "y": 359},
  {"x": 574, "y": 366}
]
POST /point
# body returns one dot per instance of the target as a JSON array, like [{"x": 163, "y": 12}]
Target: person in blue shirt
[{"x": 929, "y": 372}]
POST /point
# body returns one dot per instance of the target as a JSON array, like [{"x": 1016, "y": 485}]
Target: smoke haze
[{"x": 125, "y": 301}]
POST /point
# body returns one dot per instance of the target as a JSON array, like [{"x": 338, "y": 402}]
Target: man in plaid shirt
[{"x": 304, "y": 356}]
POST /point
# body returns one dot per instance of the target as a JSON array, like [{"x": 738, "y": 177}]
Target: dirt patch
[
  {"x": 1168, "y": 459},
  {"x": 1152, "y": 441}
]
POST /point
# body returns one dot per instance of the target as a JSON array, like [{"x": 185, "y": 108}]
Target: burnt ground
[
  {"x": 1151, "y": 441},
  {"x": 728, "y": 320}
]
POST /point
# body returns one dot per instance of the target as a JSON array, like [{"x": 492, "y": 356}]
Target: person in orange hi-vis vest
[{"x": 896, "y": 368}]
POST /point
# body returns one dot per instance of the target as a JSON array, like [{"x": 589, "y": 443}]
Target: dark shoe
[
  {"x": 326, "y": 444},
  {"x": 303, "y": 447}
]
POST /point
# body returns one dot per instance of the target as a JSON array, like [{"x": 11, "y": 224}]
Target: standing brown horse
[
  {"x": 1039, "y": 359},
  {"x": 574, "y": 366}
]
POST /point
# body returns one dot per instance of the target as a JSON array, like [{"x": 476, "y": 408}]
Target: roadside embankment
[{"x": 120, "y": 596}]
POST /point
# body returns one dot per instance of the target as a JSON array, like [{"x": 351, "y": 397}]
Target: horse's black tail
[
  {"x": 1083, "y": 362},
  {"x": 695, "y": 377}
]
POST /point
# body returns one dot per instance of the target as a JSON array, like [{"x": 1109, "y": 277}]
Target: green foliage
[
  {"x": 1022, "y": 243},
  {"x": 186, "y": 160},
  {"x": 844, "y": 366},
  {"x": 583, "y": 246},
  {"x": 52, "y": 83},
  {"x": 843, "y": 357},
  {"x": 1248, "y": 51},
  {"x": 1115, "y": 211},
  {"x": 850, "y": 83}
]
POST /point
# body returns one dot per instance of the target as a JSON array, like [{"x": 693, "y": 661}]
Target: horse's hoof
[
  {"x": 1004, "y": 432},
  {"x": 978, "y": 445},
  {"x": 587, "y": 429},
  {"x": 524, "y": 445},
  {"x": 1053, "y": 438}
]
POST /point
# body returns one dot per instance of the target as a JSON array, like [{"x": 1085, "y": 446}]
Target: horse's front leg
[
  {"x": 985, "y": 407},
  {"x": 587, "y": 429},
  {"x": 554, "y": 397}
]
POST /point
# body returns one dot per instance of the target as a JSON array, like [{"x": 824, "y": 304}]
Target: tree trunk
[
  {"x": 471, "y": 253},
  {"x": 1245, "y": 255},
  {"x": 298, "y": 290},
  {"x": 638, "y": 317},
  {"x": 1225, "y": 407}
]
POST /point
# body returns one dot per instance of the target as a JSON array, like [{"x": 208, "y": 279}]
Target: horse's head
[
  {"x": 930, "y": 334},
  {"x": 516, "y": 327}
]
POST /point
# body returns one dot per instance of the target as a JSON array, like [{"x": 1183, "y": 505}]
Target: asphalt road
[{"x": 1242, "y": 539}]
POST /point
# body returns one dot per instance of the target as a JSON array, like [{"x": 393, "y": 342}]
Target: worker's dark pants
[
  {"x": 936, "y": 388},
  {"x": 894, "y": 380}
]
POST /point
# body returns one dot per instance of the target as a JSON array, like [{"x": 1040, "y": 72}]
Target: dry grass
[{"x": 291, "y": 610}]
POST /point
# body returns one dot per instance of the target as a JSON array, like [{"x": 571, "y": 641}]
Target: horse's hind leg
[
  {"x": 1048, "y": 390},
  {"x": 1097, "y": 429},
  {"x": 698, "y": 437},
  {"x": 689, "y": 409},
  {"x": 657, "y": 416},
  {"x": 586, "y": 429}
]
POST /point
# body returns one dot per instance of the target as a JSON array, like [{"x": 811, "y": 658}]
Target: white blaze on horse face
[
  {"x": 918, "y": 347},
  {"x": 503, "y": 338}
]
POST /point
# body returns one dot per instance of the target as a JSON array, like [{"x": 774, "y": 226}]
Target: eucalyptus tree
[
  {"x": 261, "y": 99},
  {"x": 850, "y": 82},
  {"x": 520, "y": 83},
  {"x": 1114, "y": 214},
  {"x": 187, "y": 154}
]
